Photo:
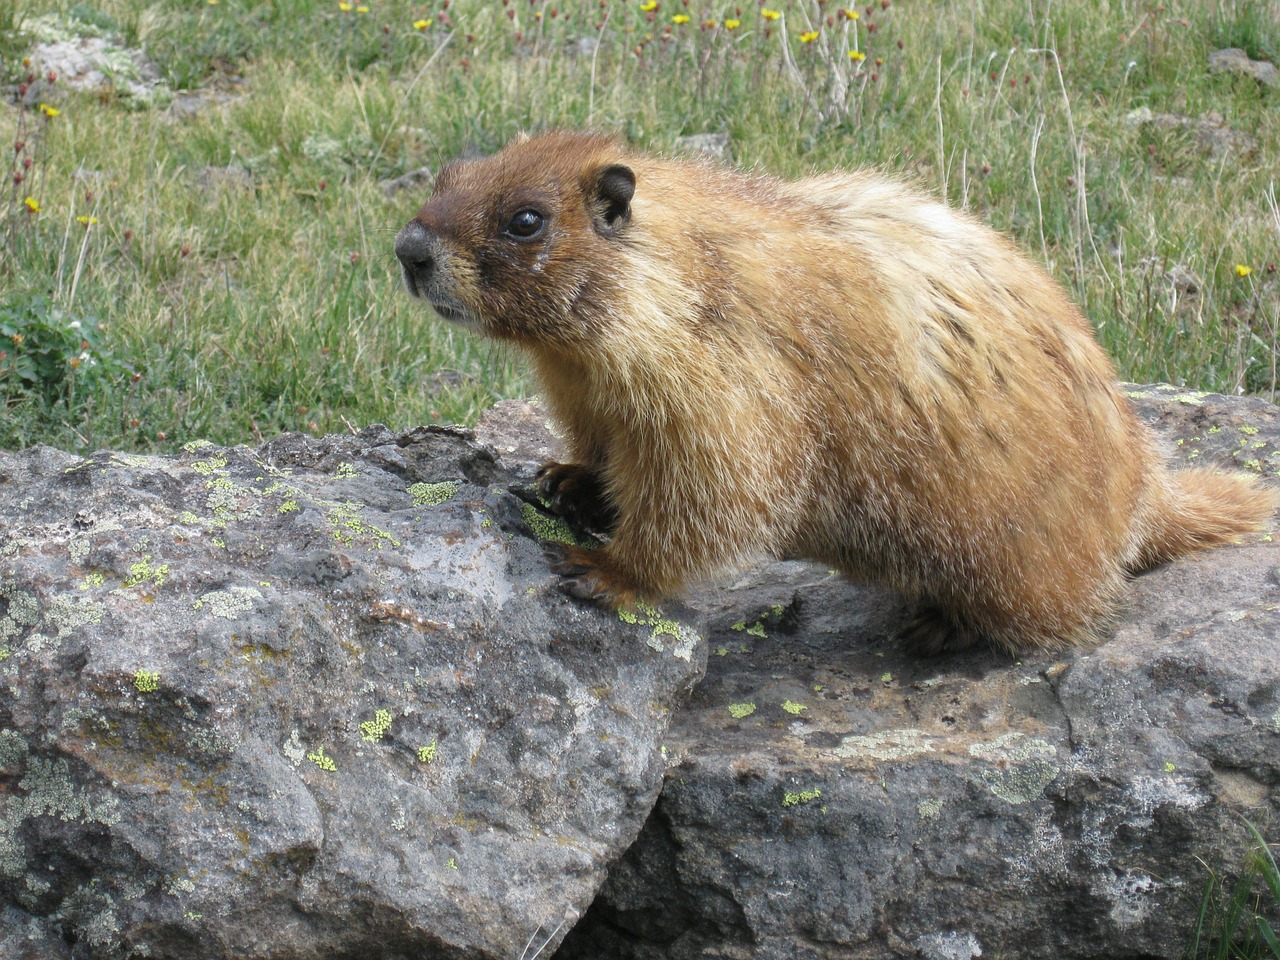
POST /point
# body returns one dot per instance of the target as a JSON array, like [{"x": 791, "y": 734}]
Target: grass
[
  {"x": 1230, "y": 924},
  {"x": 235, "y": 260}
]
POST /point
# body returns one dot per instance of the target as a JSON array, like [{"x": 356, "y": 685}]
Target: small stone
[{"x": 1235, "y": 60}]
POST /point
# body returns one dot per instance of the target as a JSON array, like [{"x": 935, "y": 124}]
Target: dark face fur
[{"x": 523, "y": 245}]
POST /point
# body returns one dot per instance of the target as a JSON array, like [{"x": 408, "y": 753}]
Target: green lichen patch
[
  {"x": 92, "y": 581},
  {"x": 23, "y": 612},
  {"x": 647, "y": 615},
  {"x": 1021, "y": 767},
  {"x": 322, "y": 760},
  {"x": 547, "y": 527},
  {"x": 146, "y": 681},
  {"x": 790, "y": 799},
  {"x": 427, "y": 754},
  {"x": 224, "y": 501},
  {"x": 887, "y": 746},
  {"x": 348, "y": 527},
  {"x": 45, "y": 790},
  {"x": 228, "y": 604},
  {"x": 432, "y": 494},
  {"x": 929, "y": 809},
  {"x": 143, "y": 571},
  {"x": 346, "y": 471},
  {"x": 740, "y": 710},
  {"x": 210, "y": 466},
  {"x": 289, "y": 506},
  {"x": 374, "y": 730},
  {"x": 68, "y": 613},
  {"x": 195, "y": 446},
  {"x": 793, "y": 708},
  {"x": 757, "y": 629}
]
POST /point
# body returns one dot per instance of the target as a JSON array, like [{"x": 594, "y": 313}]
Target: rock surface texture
[
  {"x": 323, "y": 699},
  {"x": 828, "y": 798},
  {"x": 318, "y": 700}
]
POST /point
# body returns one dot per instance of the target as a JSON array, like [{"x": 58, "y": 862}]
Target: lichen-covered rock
[
  {"x": 828, "y": 797},
  {"x": 317, "y": 700}
]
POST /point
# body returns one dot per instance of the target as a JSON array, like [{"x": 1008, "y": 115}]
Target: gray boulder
[
  {"x": 1235, "y": 60},
  {"x": 321, "y": 699},
  {"x": 827, "y": 797}
]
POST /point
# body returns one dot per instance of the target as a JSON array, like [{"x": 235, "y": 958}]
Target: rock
[
  {"x": 188, "y": 104},
  {"x": 88, "y": 58},
  {"x": 827, "y": 797},
  {"x": 231, "y": 178},
  {"x": 411, "y": 180},
  {"x": 319, "y": 699},
  {"x": 1235, "y": 60},
  {"x": 519, "y": 433},
  {"x": 714, "y": 145},
  {"x": 1209, "y": 132},
  {"x": 1178, "y": 277},
  {"x": 324, "y": 699}
]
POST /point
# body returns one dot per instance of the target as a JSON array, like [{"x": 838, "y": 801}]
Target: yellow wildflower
[
  {"x": 49, "y": 111},
  {"x": 769, "y": 14},
  {"x": 732, "y": 24},
  {"x": 680, "y": 19},
  {"x": 362, "y": 9},
  {"x": 649, "y": 6},
  {"x": 421, "y": 24},
  {"x": 1242, "y": 270},
  {"x": 809, "y": 36},
  {"x": 33, "y": 204},
  {"x": 345, "y": 7},
  {"x": 87, "y": 221},
  {"x": 849, "y": 14},
  {"x": 857, "y": 55}
]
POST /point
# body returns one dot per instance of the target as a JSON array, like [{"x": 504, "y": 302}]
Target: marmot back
[{"x": 837, "y": 368}]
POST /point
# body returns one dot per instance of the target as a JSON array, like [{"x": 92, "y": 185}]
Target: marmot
[{"x": 836, "y": 368}]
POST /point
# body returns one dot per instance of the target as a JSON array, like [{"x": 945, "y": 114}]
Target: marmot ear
[{"x": 615, "y": 185}]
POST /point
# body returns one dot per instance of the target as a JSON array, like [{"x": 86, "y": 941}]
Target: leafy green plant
[{"x": 46, "y": 353}]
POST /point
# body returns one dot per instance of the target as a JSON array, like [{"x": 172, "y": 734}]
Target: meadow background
[{"x": 202, "y": 248}]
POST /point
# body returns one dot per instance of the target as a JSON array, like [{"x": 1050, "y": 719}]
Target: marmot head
[{"x": 524, "y": 245}]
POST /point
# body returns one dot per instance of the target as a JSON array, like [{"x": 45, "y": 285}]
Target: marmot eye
[{"x": 526, "y": 224}]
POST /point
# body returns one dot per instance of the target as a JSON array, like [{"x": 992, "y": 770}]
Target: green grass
[
  {"x": 1232, "y": 924},
  {"x": 237, "y": 306}
]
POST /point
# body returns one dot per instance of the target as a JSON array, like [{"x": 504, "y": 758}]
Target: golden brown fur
[{"x": 836, "y": 368}]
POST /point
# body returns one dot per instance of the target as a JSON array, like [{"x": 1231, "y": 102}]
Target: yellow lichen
[
  {"x": 545, "y": 527},
  {"x": 790, "y": 799},
  {"x": 318, "y": 757},
  {"x": 143, "y": 571},
  {"x": 432, "y": 494},
  {"x": 146, "y": 681},
  {"x": 210, "y": 466},
  {"x": 375, "y": 729}
]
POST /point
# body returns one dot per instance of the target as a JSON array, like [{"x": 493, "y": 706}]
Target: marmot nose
[{"x": 416, "y": 250}]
